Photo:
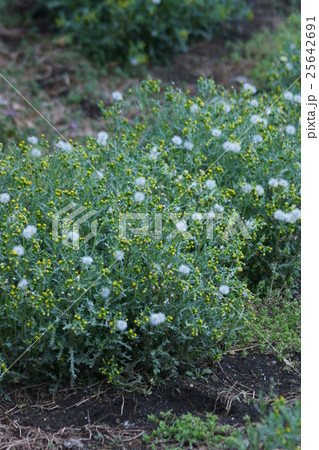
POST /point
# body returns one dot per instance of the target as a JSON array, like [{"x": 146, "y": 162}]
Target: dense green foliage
[
  {"x": 139, "y": 30},
  {"x": 278, "y": 322},
  {"x": 180, "y": 158},
  {"x": 222, "y": 162},
  {"x": 279, "y": 429}
]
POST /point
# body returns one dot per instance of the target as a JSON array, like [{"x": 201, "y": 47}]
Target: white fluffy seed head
[
  {"x": 218, "y": 208},
  {"x": 288, "y": 96},
  {"x": 224, "y": 289},
  {"x": 102, "y": 137},
  {"x": 290, "y": 129},
  {"x": 65, "y": 146},
  {"x": 73, "y": 236},
  {"x": 234, "y": 147},
  {"x": 259, "y": 190},
  {"x": 100, "y": 174},
  {"x": 256, "y": 118},
  {"x": 18, "y": 250},
  {"x": 188, "y": 145},
  {"x": 216, "y": 132},
  {"x": 289, "y": 66},
  {"x": 273, "y": 182},
  {"x": 36, "y": 152},
  {"x": 194, "y": 108},
  {"x": 183, "y": 269},
  {"x": 4, "y": 198},
  {"x": 154, "y": 154},
  {"x": 181, "y": 226},
  {"x": 140, "y": 181},
  {"x": 280, "y": 215},
  {"x": 157, "y": 318},
  {"x": 29, "y": 231},
  {"x": 139, "y": 197},
  {"x": 257, "y": 139},
  {"x": 121, "y": 325},
  {"x": 32, "y": 140},
  {"x": 117, "y": 96},
  {"x": 294, "y": 215},
  {"x": 289, "y": 217},
  {"x": 210, "y": 184},
  {"x": 119, "y": 255},
  {"x": 87, "y": 260},
  {"x": 297, "y": 98},
  {"x": 105, "y": 292},
  {"x": 177, "y": 140},
  {"x": 283, "y": 183},
  {"x": 211, "y": 215},
  {"x": 23, "y": 284},
  {"x": 246, "y": 187},
  {"x": 250, "y": 87}
]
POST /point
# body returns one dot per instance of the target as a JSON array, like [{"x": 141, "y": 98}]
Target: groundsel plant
[{"x": 156, "y": 300}]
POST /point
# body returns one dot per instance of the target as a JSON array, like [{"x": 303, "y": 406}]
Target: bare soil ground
[{"x": 101, "y": 416}]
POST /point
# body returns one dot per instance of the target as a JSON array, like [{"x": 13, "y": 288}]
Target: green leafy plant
[
  {"x": 279, "y": 428},
  {"x": 272, "y": 59},
  {"x": 279, "y": 322},
  {"x": 216, "y": 185},
  {"x": 137, "y": 30},
  {"x": 198, "y": 373},
  {"x": 186, "y": 430}
]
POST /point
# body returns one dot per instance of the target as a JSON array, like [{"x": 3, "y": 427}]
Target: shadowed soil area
[{"x": 230, "y": 391}]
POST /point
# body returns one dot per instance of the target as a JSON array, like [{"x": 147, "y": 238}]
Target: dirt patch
[{"x": 230, "y": 391}]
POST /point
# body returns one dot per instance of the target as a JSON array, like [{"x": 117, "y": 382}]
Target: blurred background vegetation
[{"x": 67, "y": 55}]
